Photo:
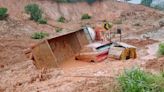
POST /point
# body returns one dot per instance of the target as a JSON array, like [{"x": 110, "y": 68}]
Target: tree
[{"x": 146, "y": 2}]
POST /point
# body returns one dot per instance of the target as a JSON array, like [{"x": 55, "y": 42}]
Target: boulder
[{"x": 161, "y": 23}]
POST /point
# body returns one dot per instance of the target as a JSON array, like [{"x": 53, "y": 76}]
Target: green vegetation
[
  {"x": 3, "y": 13},
  {"x": 86, "y": 16},
  {"x": 61, "y": 19},
  {"x": 42, "y": 21},
  {"x": 161, "y": 49},
  {"x": 136, "y": 80},
  {"x": 39, "y": 35},
  {"x": 59, "y": 29},
  {"x": 34, "y": 11}
]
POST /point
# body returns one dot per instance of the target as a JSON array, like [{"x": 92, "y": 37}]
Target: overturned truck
[{"x": 54, "y": 50}]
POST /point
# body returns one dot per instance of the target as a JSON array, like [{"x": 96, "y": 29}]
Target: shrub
[
  {"x": 42, "y": 21},
  {"x": 136, "y": 80},
  {"x": 59, "y": 29},
  {"x": 39, "y": 35},
  {"x": 86, "y": 16},
  {"x": 3, "y": 13},
  {"x": 161, "y": 49},
  {"x": 61, "y": 19},
  {"x": 34, "y": 11}
]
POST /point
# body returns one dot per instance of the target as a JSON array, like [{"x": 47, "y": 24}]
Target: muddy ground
[{"x": 18, "y": 74}]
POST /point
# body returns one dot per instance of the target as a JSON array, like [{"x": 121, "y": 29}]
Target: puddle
[{"x": 72, "y": 63}]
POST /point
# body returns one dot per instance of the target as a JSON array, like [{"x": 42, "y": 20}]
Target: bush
[
  {"x": 86, "y": 16},
  {"x": 34, "y": 11},
  {"x": 42, "y": 21},
  {"x": 39, "y": 35},
  {"x": 59, "y": 29},
  {"x": 136, "y": 80},
  {"x": 3, "y": 13},
  {"x": 61, "y": 19},
  {"x": 161, "y": 49}
]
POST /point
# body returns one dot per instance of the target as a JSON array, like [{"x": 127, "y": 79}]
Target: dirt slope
[
  {"x": 104, "y": 10},
  {"x": 18, "y": 74}
]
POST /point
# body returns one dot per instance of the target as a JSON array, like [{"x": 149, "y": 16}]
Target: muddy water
[
  {"x": 153, "y": 48},
  {"x": 72, "y": 63}
]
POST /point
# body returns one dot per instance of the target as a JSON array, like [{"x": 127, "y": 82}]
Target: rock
[
  {"x": 161, "y": 23},
  {"x": 2, "y": 66}
]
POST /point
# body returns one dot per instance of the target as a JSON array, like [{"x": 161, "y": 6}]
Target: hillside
[{"x": 18, "y": 74}]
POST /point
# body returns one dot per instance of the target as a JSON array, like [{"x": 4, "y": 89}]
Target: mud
[
  {"x": 140, "y": 43},
  {"x": 155, "y": 64},
  {"x": 18, "y": 74}
]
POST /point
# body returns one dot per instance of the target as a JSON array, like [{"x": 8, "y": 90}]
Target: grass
[
  {"x": 161, "y": 49},
  {"x": 136, "y": 80},
  {"x": 39, "y": 35},
  {"x": 42, "y": 21},
  {"x": 86, "y": 16}
]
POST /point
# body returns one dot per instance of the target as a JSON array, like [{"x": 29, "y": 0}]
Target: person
[{"x": 107, "y": 33}]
